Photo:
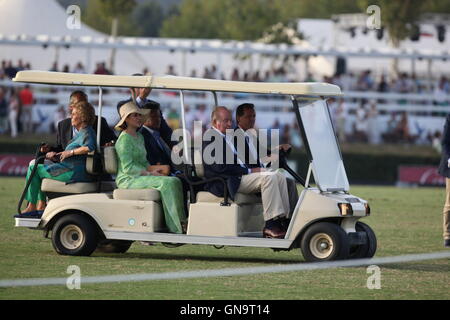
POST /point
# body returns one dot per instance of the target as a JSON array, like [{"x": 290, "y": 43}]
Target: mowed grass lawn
[{"x": 406, "y": 221}]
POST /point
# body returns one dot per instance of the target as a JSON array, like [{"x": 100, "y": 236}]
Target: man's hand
[
  {"x": 256, "y": 170},
  {"x": 109, "y": 144},
  {"x": 51, "y": 155},
  {"x": 285, "y": 147}
]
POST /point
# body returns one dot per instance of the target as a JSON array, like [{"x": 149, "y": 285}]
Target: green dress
[{"x": 132, "y": 158}]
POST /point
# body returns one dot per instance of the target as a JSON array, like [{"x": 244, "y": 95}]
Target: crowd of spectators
[{"x": 16, "y": 103}]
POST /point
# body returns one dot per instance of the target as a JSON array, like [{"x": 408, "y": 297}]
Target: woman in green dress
[
  {"x": 134, "y": 172},
  {"x": 72, "y": 165}
]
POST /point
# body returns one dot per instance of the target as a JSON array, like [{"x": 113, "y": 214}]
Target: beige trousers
[
  {"x": 446, "y": 211},
  {"x": 274, "y": 192}
]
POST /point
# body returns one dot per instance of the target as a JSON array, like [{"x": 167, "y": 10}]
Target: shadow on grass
[{"x": 197, "y": 257}]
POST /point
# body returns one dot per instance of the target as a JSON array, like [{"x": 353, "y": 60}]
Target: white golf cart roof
[{"x": 178, "y": 83}]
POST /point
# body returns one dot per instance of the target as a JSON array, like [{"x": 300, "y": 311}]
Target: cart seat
[
  {"x": 50, "y": 185},
  {"x": 240, "y": 198},
  {"x": 204, "y": 196},
  {"x": 137, "y": 194},
  {"x": 111, "y": 167}
]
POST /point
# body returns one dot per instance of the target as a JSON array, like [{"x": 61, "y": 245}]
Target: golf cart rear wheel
[
  {"x": 74, "y": 235},
  {"x": 325, "y": 241},
  {"x": 368, "y": 249}
]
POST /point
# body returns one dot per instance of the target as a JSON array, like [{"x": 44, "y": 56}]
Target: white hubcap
[
  {"x": 71, "y": 237},
  {"x": 321, "y": 245}
]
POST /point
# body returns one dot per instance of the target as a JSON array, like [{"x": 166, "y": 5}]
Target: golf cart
[{"x": 83, "y": 217}]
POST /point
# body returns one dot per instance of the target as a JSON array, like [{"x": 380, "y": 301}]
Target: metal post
[
  {"x": 186, "y": 152},
  {"x": 183, "y": 63},
  {"x": 99, "y": 116},
  {"x": 216, "y": 101},
  {"x": 429, "y": 75}
]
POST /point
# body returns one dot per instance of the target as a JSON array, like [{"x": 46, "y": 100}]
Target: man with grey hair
[{"x": 241, "y": 178}]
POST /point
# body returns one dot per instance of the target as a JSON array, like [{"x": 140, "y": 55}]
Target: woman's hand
[
  {"x": 65, "y": 154},
  {"x": 156, "y": 172}
]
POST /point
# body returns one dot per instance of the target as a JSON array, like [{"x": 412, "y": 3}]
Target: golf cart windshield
[{"x": 327, "y": 165}]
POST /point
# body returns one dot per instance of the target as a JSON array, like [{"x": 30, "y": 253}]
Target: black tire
[
  {"x": 325, "y": 241},
  {"x": 75, "y": 235},
  {"x": 114, "y": 246},
  {"x": 368, "y": 249}
]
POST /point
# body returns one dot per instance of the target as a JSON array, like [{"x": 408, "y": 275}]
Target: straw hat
[{"x": 127, "y": 109}]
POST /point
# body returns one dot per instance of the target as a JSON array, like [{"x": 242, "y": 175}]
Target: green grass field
[{"x": 406, "y": 221}]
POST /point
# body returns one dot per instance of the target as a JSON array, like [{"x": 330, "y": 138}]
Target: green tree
[
  {"x": 149, "y": 17},
  {"x": 226, "y": 19},
  {"x": 398, "y": 17},
  {"x": 111, "y": 16}
]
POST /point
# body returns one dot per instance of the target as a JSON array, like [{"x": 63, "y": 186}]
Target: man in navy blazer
[
  {"x": 158, "y": 152},
  {"x": 139, "y": 96},
  {"x": 444, "y": 170},
  {"x": 220, "y": 158},
  {"x": 245, "y": 119}
]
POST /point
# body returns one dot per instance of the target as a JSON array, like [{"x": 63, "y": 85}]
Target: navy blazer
[
  {"x": 155, "y": 154},
  {"x": 444, "y": 170},
  {"x": 164, "y": 130},
  {"x": 219, "y": 168},
  {"x": 65, "y": 133}
]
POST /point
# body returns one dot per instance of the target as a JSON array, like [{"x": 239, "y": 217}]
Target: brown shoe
[{"x": 274, "y": 232}]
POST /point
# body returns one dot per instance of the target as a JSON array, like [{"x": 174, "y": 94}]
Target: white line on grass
[{"x": 228, "y": 272}]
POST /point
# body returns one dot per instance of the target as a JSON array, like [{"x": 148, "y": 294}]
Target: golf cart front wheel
[
  {"x": 368, "y": 249},
  {"x": 325, "y": 241},
  {"x": 74, "y": 235}
]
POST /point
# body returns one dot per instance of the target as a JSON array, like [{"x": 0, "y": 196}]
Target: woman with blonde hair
[
  {"x": 72, "y": 165},
  {"x": 134, "y": 171}
]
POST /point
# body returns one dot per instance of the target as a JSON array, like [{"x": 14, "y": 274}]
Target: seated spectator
[
  {"x": 391, "y": 134},
  {"x": 158, "y": 152},
  {"x": 360, "y": 126},
  {"x": 134, "y": 171},
  {"x": 139, "y": 96},
  {"x": 79, "y": 68},
  {"x": 272, "y": 184},
  {"x": 436, "y": 141},
  {"x": 72, "y": 165},
  {"x": 66, "y": 131},
  {"x": 10, "y": 71},
  {"x": 101, "y": 69},
  {"x": 3, "y": 112},
  {"x": 13, "y": 111}
]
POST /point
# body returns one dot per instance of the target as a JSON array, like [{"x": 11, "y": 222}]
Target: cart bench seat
[
  {"x": 137, "y": 194},
  {"x": 240, "y": 198}
]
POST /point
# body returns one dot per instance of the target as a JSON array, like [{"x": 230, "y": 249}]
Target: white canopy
[{"x": 177, "y": 83}]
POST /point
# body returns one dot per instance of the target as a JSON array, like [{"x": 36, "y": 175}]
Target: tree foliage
[
  {"x": 100, "y": 14},
  {"x": 227, "y": 19}
]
